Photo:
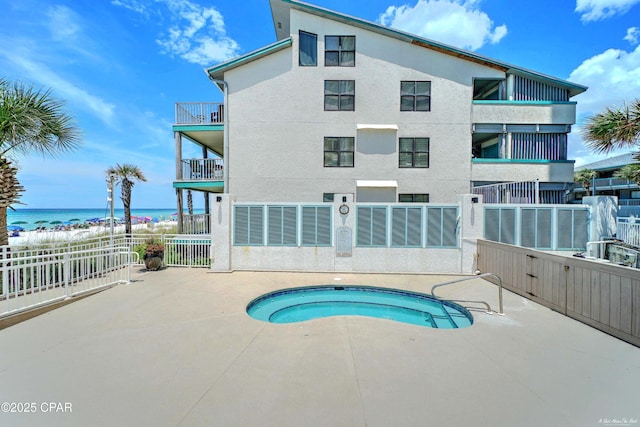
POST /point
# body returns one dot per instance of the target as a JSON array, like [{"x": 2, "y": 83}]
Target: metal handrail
[{"x": 489, "y": 309}]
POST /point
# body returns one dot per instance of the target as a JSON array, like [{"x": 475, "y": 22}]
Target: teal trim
[
  {"x": 191, "y": 128},
  {"x": 251, "y": 56},
  {"x": 520, "y": 161},
  {"x": 408, "y": 37},
  {"x": 506, "y": 102},
  {"x": 198, "y": 184}
]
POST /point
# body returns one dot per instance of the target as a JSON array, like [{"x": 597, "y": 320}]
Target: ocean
[{"x": 29, "y": 219}]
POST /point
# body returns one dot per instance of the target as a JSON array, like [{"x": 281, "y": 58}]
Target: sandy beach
[{"x": 48, "y": 235}]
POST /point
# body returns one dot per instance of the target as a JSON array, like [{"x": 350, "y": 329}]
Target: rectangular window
[
  {"x": 340, "y": 51},
  {"x": 283, "y": 226},
  {"x": 316, "y": 226},
  {"x": 339, "y": 95},
  {"x": 338, "y": 152},
  {"x": 406, "y": 227},
  {"x": 415, "y": 96},
  {"x": 327, "y": 197},
  {"x": 308, "y": 52},
  {"x": 414, "y": 152},
  {"x": 371, "y": 226},
  {"x": 413, "y": 198},
  {"x": 248, "y": 225}
]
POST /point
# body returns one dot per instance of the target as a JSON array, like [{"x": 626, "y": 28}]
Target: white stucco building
[
  {"x": 342, "y": 105},
  {"x": 340, "y": 113}
]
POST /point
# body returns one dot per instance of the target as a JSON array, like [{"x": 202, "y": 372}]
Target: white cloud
[
  {"x": 197, "y": 34},
  {"x": 632, "y": 36},
  {"x": 132, "y": 5},
  {"x": 597, "y": 10},
  {"x": 62, "y": 88},
  {"x": 613, "y": 77},
  {"x": 456, "y": 22},
  {"x": 64, "y": 23}
]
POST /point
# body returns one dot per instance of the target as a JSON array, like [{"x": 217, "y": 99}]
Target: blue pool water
[{"x": 300, "y": 304}]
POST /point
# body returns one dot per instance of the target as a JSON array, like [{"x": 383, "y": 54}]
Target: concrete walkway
[{"x": 176, "y": 348}]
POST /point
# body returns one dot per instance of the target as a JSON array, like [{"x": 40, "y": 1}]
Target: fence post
[
  {"x": 67, "y": 272},
  {"x": 5, "y": 277}
]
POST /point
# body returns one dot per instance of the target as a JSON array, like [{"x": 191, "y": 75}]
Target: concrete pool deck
[{"x": 176, "y": 348}]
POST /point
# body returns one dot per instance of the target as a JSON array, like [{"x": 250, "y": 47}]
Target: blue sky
[{"x": 120, "y": 66}]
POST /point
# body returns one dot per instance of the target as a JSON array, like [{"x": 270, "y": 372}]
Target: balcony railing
[
  {"x": 195, "y": 224},
  {"x": 199, "y": 113},
  {"x": 203, "y": 169},
  {"x": 609, "y": 183}
]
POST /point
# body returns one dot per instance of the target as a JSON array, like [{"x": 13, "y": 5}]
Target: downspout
[{"x": 226, "y": 130}]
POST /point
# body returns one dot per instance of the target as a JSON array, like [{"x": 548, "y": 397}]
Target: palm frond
[{"x": 613, "y": 129}]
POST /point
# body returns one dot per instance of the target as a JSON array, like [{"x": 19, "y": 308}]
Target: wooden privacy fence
[{"x": 605, "y": 296}]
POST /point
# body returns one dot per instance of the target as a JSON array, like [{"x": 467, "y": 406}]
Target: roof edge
[
  {"x": 574, "y": 88},
  {"x": 217, "y": 71}
]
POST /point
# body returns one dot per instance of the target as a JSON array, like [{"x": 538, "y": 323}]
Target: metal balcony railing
[
  {"x": 199, "y": 113},
  {"x": 609, "y": 183},
  {"x": 203, "y": 169}
]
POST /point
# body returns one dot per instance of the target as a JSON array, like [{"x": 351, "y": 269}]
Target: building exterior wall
[{"x": 277, "y": 121}]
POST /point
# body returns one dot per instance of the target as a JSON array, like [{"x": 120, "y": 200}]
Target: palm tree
[
  {"x": 124, "y": 174},
  {"x": 30, "y": 121},
  {"x": 614, "y": 129},
  {"x": 629, "y": 172},
  {"x": 584, "y": 177}
]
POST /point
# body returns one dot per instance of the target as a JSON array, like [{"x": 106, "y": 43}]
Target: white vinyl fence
[
  {"x": 628, "y": 230},
  {"x": 30, "y": 279}
]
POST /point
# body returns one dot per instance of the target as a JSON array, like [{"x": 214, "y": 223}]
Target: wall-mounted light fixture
[
  {"x": 218, "y": 199},
  {"x": 474, "y": 200},
  {"x": 344, "y": 199}
]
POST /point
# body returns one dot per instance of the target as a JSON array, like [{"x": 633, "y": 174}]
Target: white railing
[
  {"x": 33, "y": 280},
  {"x": 199, "y": 113},
  {"x": 185, "y": 250},
  {"x": 629, "y": 202},
  {"x": 195, "y": 224},
  {"x": 628, "y": 230},
  {"x": 135, "y": 243},
  {"x": 510, "y": 192},
  {"x": 202, "y": 169}
]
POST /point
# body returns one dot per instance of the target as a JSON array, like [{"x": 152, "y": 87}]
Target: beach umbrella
[
  {"x": 14, "y": 228},
  {"x": 56, "y": 222},
  {"x": 19, "y": 222},
  {"x": 42, "y": 221},
  {"x": 74, "y": 219}
]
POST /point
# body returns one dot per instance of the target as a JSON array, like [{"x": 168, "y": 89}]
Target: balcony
[
  {"x": 202, "y": 123},
  {"x": 503, "y": 170},
  {"x": 201, "y": 175},
  {"x": 199, "y": 113},
  {"x": 610, "y": 184},
  {"x": 524, "y": 112}
]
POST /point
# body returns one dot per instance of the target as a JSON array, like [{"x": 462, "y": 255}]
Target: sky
[{"x": 121, "y": 65}]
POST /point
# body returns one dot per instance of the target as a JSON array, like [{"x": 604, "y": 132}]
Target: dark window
[
  {"x": 340, "y": 51},
  {"x": 413, "y": 198},
  {"x": 338, "y": 151},
  {"x": 327, "y": 197},
  {"x": 308, "y": 54},
  {"x": 415, "y": 96},
  {"x": 339, "y": 95},
  {"x": 414, "y": 153}
]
